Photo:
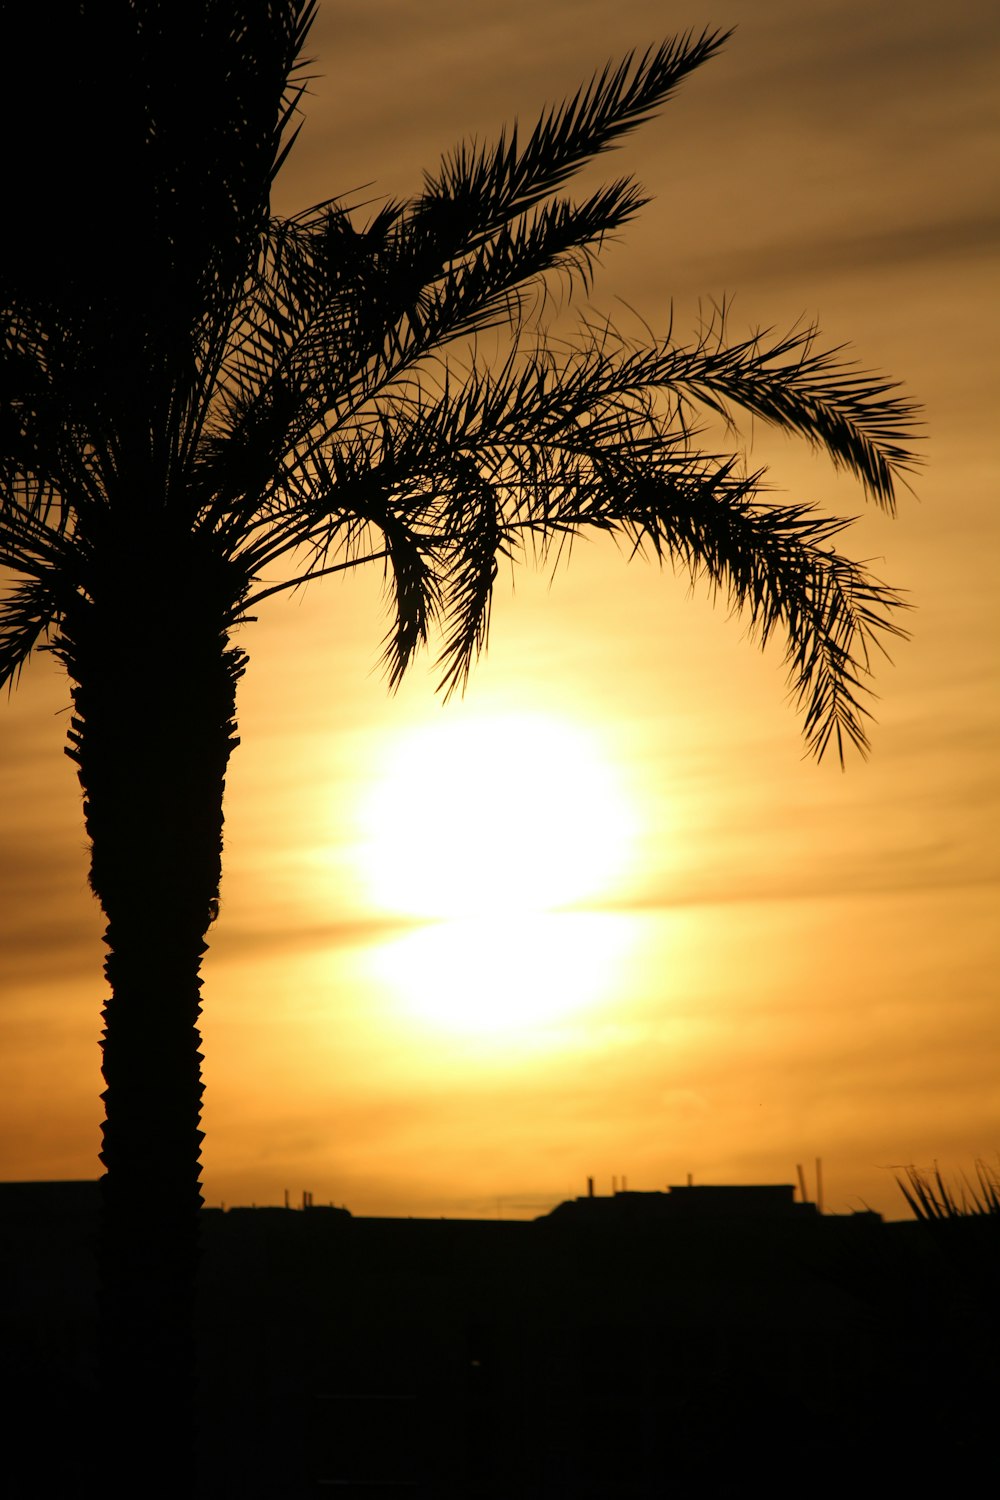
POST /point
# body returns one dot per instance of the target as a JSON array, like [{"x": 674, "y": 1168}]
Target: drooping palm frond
[
  {"x": 598, "y": 436},
  {"x": 842, "y": 410},
  {"x": 318, "y": 415}
]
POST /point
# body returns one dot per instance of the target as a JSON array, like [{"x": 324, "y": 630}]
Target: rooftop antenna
[
  {"x": 590, "y": 1187},
  {"x": 802, "y": 1182}
]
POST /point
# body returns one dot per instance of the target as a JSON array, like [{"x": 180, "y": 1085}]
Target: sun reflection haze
[{"x": 519, "y": 982}]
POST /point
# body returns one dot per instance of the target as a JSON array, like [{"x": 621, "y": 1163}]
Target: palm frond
[
  {"x": 337, "y": 312},
  {"x": 535, "y": 453},
  {"x": 26, "y": 615},
  {"x": 499, "y": 182},
  {"x": 33, "y": 542},
  {"x": 773, "y": 563},
  {"x": 841, "y": 409},
  {"x": 327, "y": 335},
  {"x": 308, "y": 407}
]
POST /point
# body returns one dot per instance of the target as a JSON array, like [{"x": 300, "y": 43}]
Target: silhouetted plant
[
  {"x": 194, "y": 392},
  {"x": 932, "y": 1198}
]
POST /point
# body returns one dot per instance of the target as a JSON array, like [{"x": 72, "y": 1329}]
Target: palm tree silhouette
[{"x": 197, "y": 394}]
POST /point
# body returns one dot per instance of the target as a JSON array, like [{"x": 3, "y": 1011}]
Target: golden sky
[{"x": 755, "y": 961}]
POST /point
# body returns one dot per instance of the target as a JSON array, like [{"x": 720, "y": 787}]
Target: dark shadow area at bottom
[{"x": 564, "y": 1357}]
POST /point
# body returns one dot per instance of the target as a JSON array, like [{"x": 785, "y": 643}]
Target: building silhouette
[{"x": 695, "y": 1341}]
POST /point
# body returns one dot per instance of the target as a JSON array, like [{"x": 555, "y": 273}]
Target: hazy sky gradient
[{"x": 795, "y": 962}]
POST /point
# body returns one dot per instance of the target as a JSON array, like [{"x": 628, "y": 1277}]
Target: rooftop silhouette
[{"x": 618, "y": 1342}]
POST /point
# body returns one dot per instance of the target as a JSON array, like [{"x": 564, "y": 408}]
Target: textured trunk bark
[{"x": 154, "y": 696}]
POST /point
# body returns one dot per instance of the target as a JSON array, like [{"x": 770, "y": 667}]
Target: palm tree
[{"x": 197, "y": 394}]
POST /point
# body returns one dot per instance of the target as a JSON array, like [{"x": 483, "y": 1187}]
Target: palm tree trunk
[{"x": 154, "y": 697}]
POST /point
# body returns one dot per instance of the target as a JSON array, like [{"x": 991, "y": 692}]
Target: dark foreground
[{"x": 612, "y": 1349}]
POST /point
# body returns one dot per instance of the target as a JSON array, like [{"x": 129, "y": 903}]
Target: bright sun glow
[
  {"x": 522, "y": 982},
  {"x": 491, "y": 817}
]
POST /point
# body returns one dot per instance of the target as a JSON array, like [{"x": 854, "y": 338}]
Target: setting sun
[{"x": 484, "y": 817}]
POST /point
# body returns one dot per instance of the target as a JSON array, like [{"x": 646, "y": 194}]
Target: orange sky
[{"x": 766, "y": 961}]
